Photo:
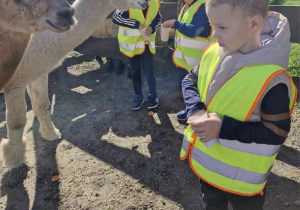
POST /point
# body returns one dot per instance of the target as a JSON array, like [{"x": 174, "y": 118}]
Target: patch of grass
[
  {"x": 294, "y": 62},
  {"x": 285, "y": 2}
]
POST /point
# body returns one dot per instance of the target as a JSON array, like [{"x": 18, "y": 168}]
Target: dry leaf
[
  {"x": 108, "y": 111},
  {"x": 55, "y": 178},
  {"x": 150, "y": 113}
]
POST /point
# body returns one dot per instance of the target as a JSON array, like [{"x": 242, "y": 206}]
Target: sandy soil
[{"x": 113, "y": 158}]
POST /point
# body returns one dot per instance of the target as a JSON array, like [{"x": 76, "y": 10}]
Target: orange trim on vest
[
  {"x": 211, "y": 30},
  {"x": 176, "y": 63},
  {"x": 149, "y": 10},
  {"x": 207, "y": 48},
  {"x": 216, "y": 186},
  {"x": 134, "y": 54},
  {"x": 180, "y": 17},
  {"x": 147, "y": 14},
  {"x": 261, "y": 92},
  {"x": 296, "y": 93},
  {"x": 187, "y": 152},
  {"x": 210, "y": 35}
]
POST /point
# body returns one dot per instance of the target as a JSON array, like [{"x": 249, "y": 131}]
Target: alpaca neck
[
  {"x": 92, "y": 9},
  {"x": 90, "y": 15}
]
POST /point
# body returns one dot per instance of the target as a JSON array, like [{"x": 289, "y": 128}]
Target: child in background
[
  {"x": 192, "y": 36},
  {"x": 138, "y": 50},
  {"x": 249, "y": 97}
]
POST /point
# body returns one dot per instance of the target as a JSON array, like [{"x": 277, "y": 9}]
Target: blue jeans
[
  {"x": 137, "y": 63},
  {"x": 215, "y": 199}
]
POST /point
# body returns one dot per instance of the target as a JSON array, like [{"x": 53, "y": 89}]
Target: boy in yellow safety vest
[
  {"x": 247, "y": 96},
  {"x": 136, "y": 38},
  {"x": 193, "y": 34}
]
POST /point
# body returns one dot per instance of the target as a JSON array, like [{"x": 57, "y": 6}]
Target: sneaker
[
  {"x": 153, "y": 104},
  {"x": 137, "y": 103},
  {"x": 182, "y": 115}
]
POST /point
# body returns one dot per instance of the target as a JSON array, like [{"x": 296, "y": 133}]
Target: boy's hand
[
  {"x": 141, "y": 26},
  {"x": 208, "y": 128},
  {"x": 168, "y": 23},
  {"x": 148, "y": 31}
]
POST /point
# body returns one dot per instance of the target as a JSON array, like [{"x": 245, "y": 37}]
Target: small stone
[
  {"x": 297, "y": 203},
  {"x": 286, "y": 204}
]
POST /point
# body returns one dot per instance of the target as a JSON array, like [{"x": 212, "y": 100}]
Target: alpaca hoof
[
  {"x": 13, "y": 154},
  {"x": 50, "y": 133}
]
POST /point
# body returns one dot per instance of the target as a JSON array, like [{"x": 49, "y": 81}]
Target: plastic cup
[
  {"x": 164, "y": 34},
  {"x": 200, "y": 118},
  {"x": 145, "y": 37}
]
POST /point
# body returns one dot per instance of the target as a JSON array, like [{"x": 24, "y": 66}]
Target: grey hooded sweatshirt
[{"x": 275, "y": 39}]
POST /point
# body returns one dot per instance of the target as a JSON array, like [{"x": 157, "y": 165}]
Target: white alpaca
[{"x": 45, "y": 52}]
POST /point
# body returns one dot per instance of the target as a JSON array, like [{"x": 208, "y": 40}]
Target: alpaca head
[
  {"x": 126, "y": 4},
  {"x": 54, "y": 15},
  {"x": 28, "y": 16}
]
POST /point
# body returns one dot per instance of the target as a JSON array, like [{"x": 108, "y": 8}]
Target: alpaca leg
[
  {"x": 13, "y": 148},
  {"x": 38, "y": 93}
]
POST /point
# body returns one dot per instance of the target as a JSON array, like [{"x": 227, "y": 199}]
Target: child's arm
[
  {"x": 156, "y": 22},
  {"x": 209, "y": 128},
  {"x": 275, "y": 123},
  {"x": 121, "y": 18},
  {"x": 199, "y": 25},
  {"x": 190, "y": 93},
  {"x": 193, "y": 29}
]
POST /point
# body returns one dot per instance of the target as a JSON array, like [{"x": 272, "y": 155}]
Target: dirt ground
[{"x": 110, "y": 157}]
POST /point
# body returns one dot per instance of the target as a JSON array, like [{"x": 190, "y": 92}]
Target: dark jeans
[
  {"x": 145, "y": 62},
  {"x": 215, "y": 199},
  {"x": 182, "y": 74}
]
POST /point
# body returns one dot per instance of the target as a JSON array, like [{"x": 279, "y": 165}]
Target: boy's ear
[{"x": 256, "y": 23}]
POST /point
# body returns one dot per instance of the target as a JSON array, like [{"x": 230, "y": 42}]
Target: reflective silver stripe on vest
[
  {"x": 228, "y": 171},
  {"x": 132, "y": 47},
  {"x": 129, "y": 32},
  {"x": 190, "y": 43},
  {"x": 152, "y": 44},
  {"x": 190, "y": 61},
  {"x": 253, "y": 148},
  {"x": 185, "y": 144}
]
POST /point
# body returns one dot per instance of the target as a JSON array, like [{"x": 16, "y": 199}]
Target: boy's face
[{"x": 231, "y": 29}]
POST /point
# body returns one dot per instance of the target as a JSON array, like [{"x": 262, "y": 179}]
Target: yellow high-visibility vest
[
  {"x": 188, "y": 51},
  {"x": 231, "y": 165},
  {"x": 131, "y": 42}
]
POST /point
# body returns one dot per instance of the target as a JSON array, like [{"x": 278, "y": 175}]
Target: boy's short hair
[{"x": 247, "y": 7}]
